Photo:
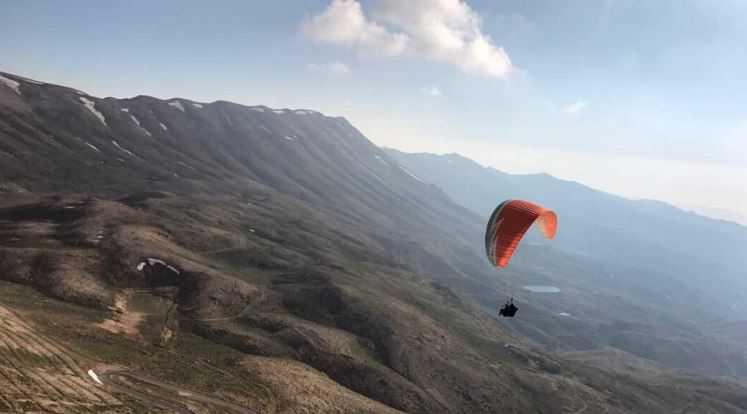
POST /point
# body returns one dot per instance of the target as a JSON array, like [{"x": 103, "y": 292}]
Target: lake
[{"x": 542, "y": 289}]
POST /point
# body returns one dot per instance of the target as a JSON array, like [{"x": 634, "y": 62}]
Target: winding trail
[
  {"x": 163, "y": 395},
  {"x": 38, "y": 372},
  {"x": 114, "y": 381}
]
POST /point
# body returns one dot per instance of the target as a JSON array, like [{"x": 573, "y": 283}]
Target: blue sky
[{"x": 640, "y": 98}]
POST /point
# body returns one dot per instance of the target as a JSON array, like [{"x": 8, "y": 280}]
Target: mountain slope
[
  {"x": 593, "y": 220},
  {"x": 641, "y": 255},
  {"x": 258, "y": 246}
]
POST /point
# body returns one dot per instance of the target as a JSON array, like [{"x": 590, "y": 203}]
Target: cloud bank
[{"x": 446, "y": 31}]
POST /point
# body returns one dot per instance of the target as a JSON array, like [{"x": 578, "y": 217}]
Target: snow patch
[
  {"x": 303, "y": 112},
  {"x": 126, "y": 110},
  {"x": 177, "y": 105},
  {"x": 11, "y": 84},
  {"x": 92, "y": 108},
  {"x": 411, "y": 174},
  {"x": 252, "y": 230},
  {"x": 279, "y": 111},
  {"x": 92, "y": 146},
  {"x": 153, "y": 262},
  {"x": 289, "y": 138},
  {"x": 196, "y": 105},
  {"x": 94, "y": 377},
  {"x": 256, "y": 108},
  {"x": 135, "y": 120},
  {"x": 564, "y": 314},
  {"x": 116, "y": 144},
  {"x": 35, "y": 82},
  {"x": 163, "y": 127}
]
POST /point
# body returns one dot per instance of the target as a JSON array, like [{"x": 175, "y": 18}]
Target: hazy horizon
[{"x": 633, "y": 99}]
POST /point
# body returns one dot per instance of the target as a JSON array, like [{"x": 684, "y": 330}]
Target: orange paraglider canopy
[{"x": 507, "y": 225}]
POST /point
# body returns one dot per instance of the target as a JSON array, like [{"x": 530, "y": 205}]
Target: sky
[{"x": 645, "y": 99}]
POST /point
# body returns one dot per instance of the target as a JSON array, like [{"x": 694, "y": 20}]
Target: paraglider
[
  {"x": 506, "y": 227},
  {"x": 509, "y": 309}
]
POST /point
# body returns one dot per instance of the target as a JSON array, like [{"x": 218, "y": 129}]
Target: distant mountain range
[
  {"x": 649, "y": 235},
  {"x": 249, "y": 259},
  {"x": 666, "y": 266}
]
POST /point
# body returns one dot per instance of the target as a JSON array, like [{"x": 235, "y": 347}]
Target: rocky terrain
[{"x": 214, "y": 257}]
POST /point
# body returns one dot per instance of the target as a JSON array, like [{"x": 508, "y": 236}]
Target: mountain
[
  {"x": 601, "y": 225},
  {"x": 665, "y": 274},
  {"x": 179, "y": 256}
]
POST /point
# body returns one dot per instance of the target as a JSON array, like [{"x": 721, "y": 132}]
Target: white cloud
[
  {"x": 343, "y": 23},
  {"x": 333, "y": 68},
  {"x": 432, "y": 91},
  {"x": 575, "y": 108},
  {"x": 446, "y": 31}
]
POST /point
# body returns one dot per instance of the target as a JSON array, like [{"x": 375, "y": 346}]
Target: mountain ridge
[
  {"x": 663, "y": 203},
  {"x": 670, "y": 276},
  {"x": 261, "y": 246}
]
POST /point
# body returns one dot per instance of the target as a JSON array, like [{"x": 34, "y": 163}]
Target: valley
[{"x": 201, "y": 261}]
